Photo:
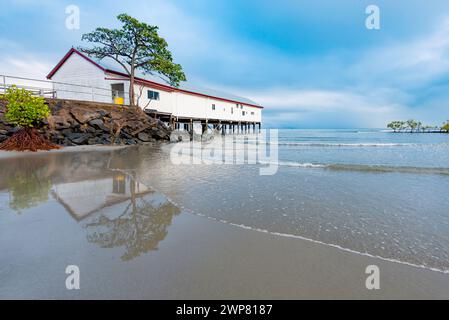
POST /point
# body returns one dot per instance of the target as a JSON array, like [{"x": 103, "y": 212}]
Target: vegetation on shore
[
  {"x": 413, "y": 126},
  {"x": 25, "y": 111}
]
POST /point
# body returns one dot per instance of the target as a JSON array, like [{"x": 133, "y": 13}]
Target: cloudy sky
[{"x": 312, "y": 64}]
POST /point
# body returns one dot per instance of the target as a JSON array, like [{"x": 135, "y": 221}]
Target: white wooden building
[{"x": 97, "y": 82}]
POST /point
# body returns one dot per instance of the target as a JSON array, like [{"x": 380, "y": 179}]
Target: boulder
[
  {"x": 145, "y": 137},
  {"x": 59, "y": 122},
  {"x": 79, "y": 138},
  {"x": 82, "y": 115},
  {"x": 97, "y": 123}
]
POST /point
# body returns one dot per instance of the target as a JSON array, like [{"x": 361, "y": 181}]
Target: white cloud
[{"x": 25, "y": 66}]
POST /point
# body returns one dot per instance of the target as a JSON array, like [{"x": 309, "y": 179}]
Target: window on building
[
  {"x": 243, "y": 113},
  {"x": 232, "y": 110},
  {"x": 153, "y": 95},
  {"x": 213, "y": 107},
  {"x": 252, "y": 113}
]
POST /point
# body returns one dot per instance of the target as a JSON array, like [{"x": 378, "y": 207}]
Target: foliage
[
  {"x": 445, "y": 127},
  {"x": 135, "y": 46},
  {"x": 396, "y": 125},
  {"x": 415, "y": 126},
  {"x": 23, "y": 109},
  {"x": 28, "y": 191},
  {"x": 412, "y": 124}
]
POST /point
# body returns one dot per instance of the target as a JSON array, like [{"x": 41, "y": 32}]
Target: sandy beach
[
  {"x": 204, "y": 259},
  {"x": 142, "y": 245}
]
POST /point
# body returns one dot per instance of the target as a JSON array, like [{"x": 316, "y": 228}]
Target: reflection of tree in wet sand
[
  {"x": 28, "y": 182},
  {"x": 140, "y": 228},
  {"x": 29, "y": 179}
]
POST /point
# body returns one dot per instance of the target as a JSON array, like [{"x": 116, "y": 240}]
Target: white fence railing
[{"x": 55, "y": 89}]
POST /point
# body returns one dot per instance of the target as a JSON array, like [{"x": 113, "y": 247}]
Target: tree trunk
[{"x": 131, "y": 89}]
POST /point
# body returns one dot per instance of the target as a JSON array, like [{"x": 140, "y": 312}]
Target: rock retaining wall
[{"x": 88, "y": 123}]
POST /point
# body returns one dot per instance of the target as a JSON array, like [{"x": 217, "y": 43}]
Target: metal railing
[{"x": 61, "y": 90}]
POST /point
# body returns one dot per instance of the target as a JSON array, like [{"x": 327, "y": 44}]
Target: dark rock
[
  {"x": 67, "y": 142},
  {"x": 67, "y": 132},
  {"x": 96, "y": 122},
  {"x": 79, "y": 138},
  {"x": 130, "y": 141},
  {"x": 87, "y": 129},
  {"x": 145, "y": 137},
  {"x": 99, "y": 123},
  {"x": 3, "y": 137},
  {"x": 103, "y": 113},
  {"x": 82, "y": 115},
  {"x": 60, "y": 122},
  {"x": 126, "y": 135}
]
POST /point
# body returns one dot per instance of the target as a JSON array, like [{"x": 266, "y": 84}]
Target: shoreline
[
  {"x": 311, "y": 269},
  {"x": 302, "y": 238},
  {"x": 68, "y": 149}
]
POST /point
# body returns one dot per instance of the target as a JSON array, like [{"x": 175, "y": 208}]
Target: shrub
[
  {"x": 23, "y": 109},
  {"x": 445, "y": 127}
]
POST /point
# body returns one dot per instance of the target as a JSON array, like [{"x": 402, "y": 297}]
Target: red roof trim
[
  {"x": 151, "y": 83},
  {"x": 64, "y": 59}
]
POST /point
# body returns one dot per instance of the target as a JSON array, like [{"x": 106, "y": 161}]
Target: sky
[{"x": 311, "y": 64}]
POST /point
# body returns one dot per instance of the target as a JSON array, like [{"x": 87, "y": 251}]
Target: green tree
[
  {"x": 135, "y": 46},
  {"x": 445, "y": 127},
  {"x": 23, "y": 109},
  {"x": 396, "y": 125},
  {"x": 412, "y": 124}
]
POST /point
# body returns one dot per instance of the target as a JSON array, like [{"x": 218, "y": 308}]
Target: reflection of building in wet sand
[
  {"x": 118, "y": 212},
  {"x": 115, "y": 209},
  {"x": 83, "y": 198}
]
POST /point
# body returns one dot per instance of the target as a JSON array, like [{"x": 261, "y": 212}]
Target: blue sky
[{"x": 312, "y": 64}]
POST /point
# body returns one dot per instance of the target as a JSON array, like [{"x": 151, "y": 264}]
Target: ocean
[
  {"x": 365, "y": 191},
  {"x": 370, "y": 191}
]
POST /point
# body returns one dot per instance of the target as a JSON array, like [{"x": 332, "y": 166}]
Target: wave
[
  {"x": 280, "y": 234},
  {"x": 363, "y": 167},
  {"x": 330, "y": 144},
  {"x": 322, "y": 144}
]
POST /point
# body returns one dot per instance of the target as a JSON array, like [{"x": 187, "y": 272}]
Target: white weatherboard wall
[
  {"x": 78, "y": 71},
  {"x": 187, "y": 105}
]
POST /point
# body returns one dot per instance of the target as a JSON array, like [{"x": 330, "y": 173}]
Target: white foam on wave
[
  {"x": 287, "y": 235},
  {"x": 329, "y": 144},
  {"x": 294, "y": 164}
]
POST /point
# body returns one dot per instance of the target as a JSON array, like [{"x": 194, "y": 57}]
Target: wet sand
[
  {"x": 205, "y": 259},
  {"x": 171, "y": 253},
  {"x": 86, "y": 148}
]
